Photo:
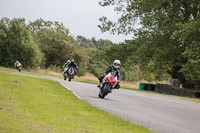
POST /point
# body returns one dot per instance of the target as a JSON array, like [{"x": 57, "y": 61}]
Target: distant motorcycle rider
[
  {"x": 74, "y": 65},
  {"x": 71, "y": 63},
  {"x": 18, "y": 63},
  {"x": 112, "y": 68}
]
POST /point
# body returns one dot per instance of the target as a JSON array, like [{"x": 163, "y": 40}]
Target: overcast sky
[{"x": 81, "y": 17}]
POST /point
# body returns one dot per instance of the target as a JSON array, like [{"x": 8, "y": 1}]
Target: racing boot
[{"x": 65, "y": 77}]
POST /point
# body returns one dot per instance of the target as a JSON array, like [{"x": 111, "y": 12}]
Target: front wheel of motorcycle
[
  {"x": 104, "y": 92},
  {"x": 70, "y": 79}
]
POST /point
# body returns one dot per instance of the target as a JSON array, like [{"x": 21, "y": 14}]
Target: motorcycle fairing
[
  {"x": 111, "y": 79},
  {"x": 65, "y": 69}
]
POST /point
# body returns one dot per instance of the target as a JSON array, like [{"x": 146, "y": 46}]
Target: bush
[
  {"x": 16, "y": 43},
  {"x": 54, "y": 68},
  {"x": 129, "y": 75}
]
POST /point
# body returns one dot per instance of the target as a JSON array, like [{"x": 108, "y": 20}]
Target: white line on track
[{"x": 70, "y": 90}]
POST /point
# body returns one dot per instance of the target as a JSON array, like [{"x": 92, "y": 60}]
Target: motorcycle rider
[
  {"x": 112, "y": 68},
  {"x": 69, "y": 64},
  {"x": 66, "y": 64},
  {"x": 74, "y": 65},
  {"x": 17, "y": 63}
]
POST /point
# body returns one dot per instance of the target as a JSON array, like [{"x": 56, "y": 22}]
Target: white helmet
[
  {"x": 116, "y": 63},
  {"x": 72, "y": 61},
  {"x": 68, "y": 61}
]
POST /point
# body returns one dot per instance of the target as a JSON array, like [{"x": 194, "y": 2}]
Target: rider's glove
[{"x": 117, "y": 85}]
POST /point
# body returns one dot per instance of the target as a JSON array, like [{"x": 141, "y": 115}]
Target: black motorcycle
[{"x": 69, "y": 72}]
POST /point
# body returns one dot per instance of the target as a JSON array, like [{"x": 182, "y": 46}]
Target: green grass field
[{"x": 30, "y": 105}]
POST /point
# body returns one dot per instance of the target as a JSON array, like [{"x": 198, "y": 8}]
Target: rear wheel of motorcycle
[{"x": 19, "y": 70}]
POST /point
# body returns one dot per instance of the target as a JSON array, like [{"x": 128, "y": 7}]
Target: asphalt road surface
[{"x": 158, "y": 113}]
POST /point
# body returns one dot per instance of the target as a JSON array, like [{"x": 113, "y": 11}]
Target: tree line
[
  {"x": 168, "y": 41},
  {"x": 49, "y": 45}
]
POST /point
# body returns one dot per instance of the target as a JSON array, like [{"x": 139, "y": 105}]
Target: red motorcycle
[{"x": 108, "y": 84}]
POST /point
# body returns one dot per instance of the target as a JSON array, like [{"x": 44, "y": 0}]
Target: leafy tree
[
  {"x": 189, "y": 34},
  {"x": 162, "y": 45},
  {"x": 91, "y": 43},
  {"x": 83, "y": 42},
  {"x": 81, "y": 57},
  {"x": 54, "y": 46},
  {"x": 16, "y": 43},
  {"x": 102, "y": 42},
  {"x": 57, "y": 45}
]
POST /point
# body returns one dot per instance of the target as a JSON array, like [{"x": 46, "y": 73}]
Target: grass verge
[
  {"x": 26, "y": 71},
  {"x": 30, "y": 105}
]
